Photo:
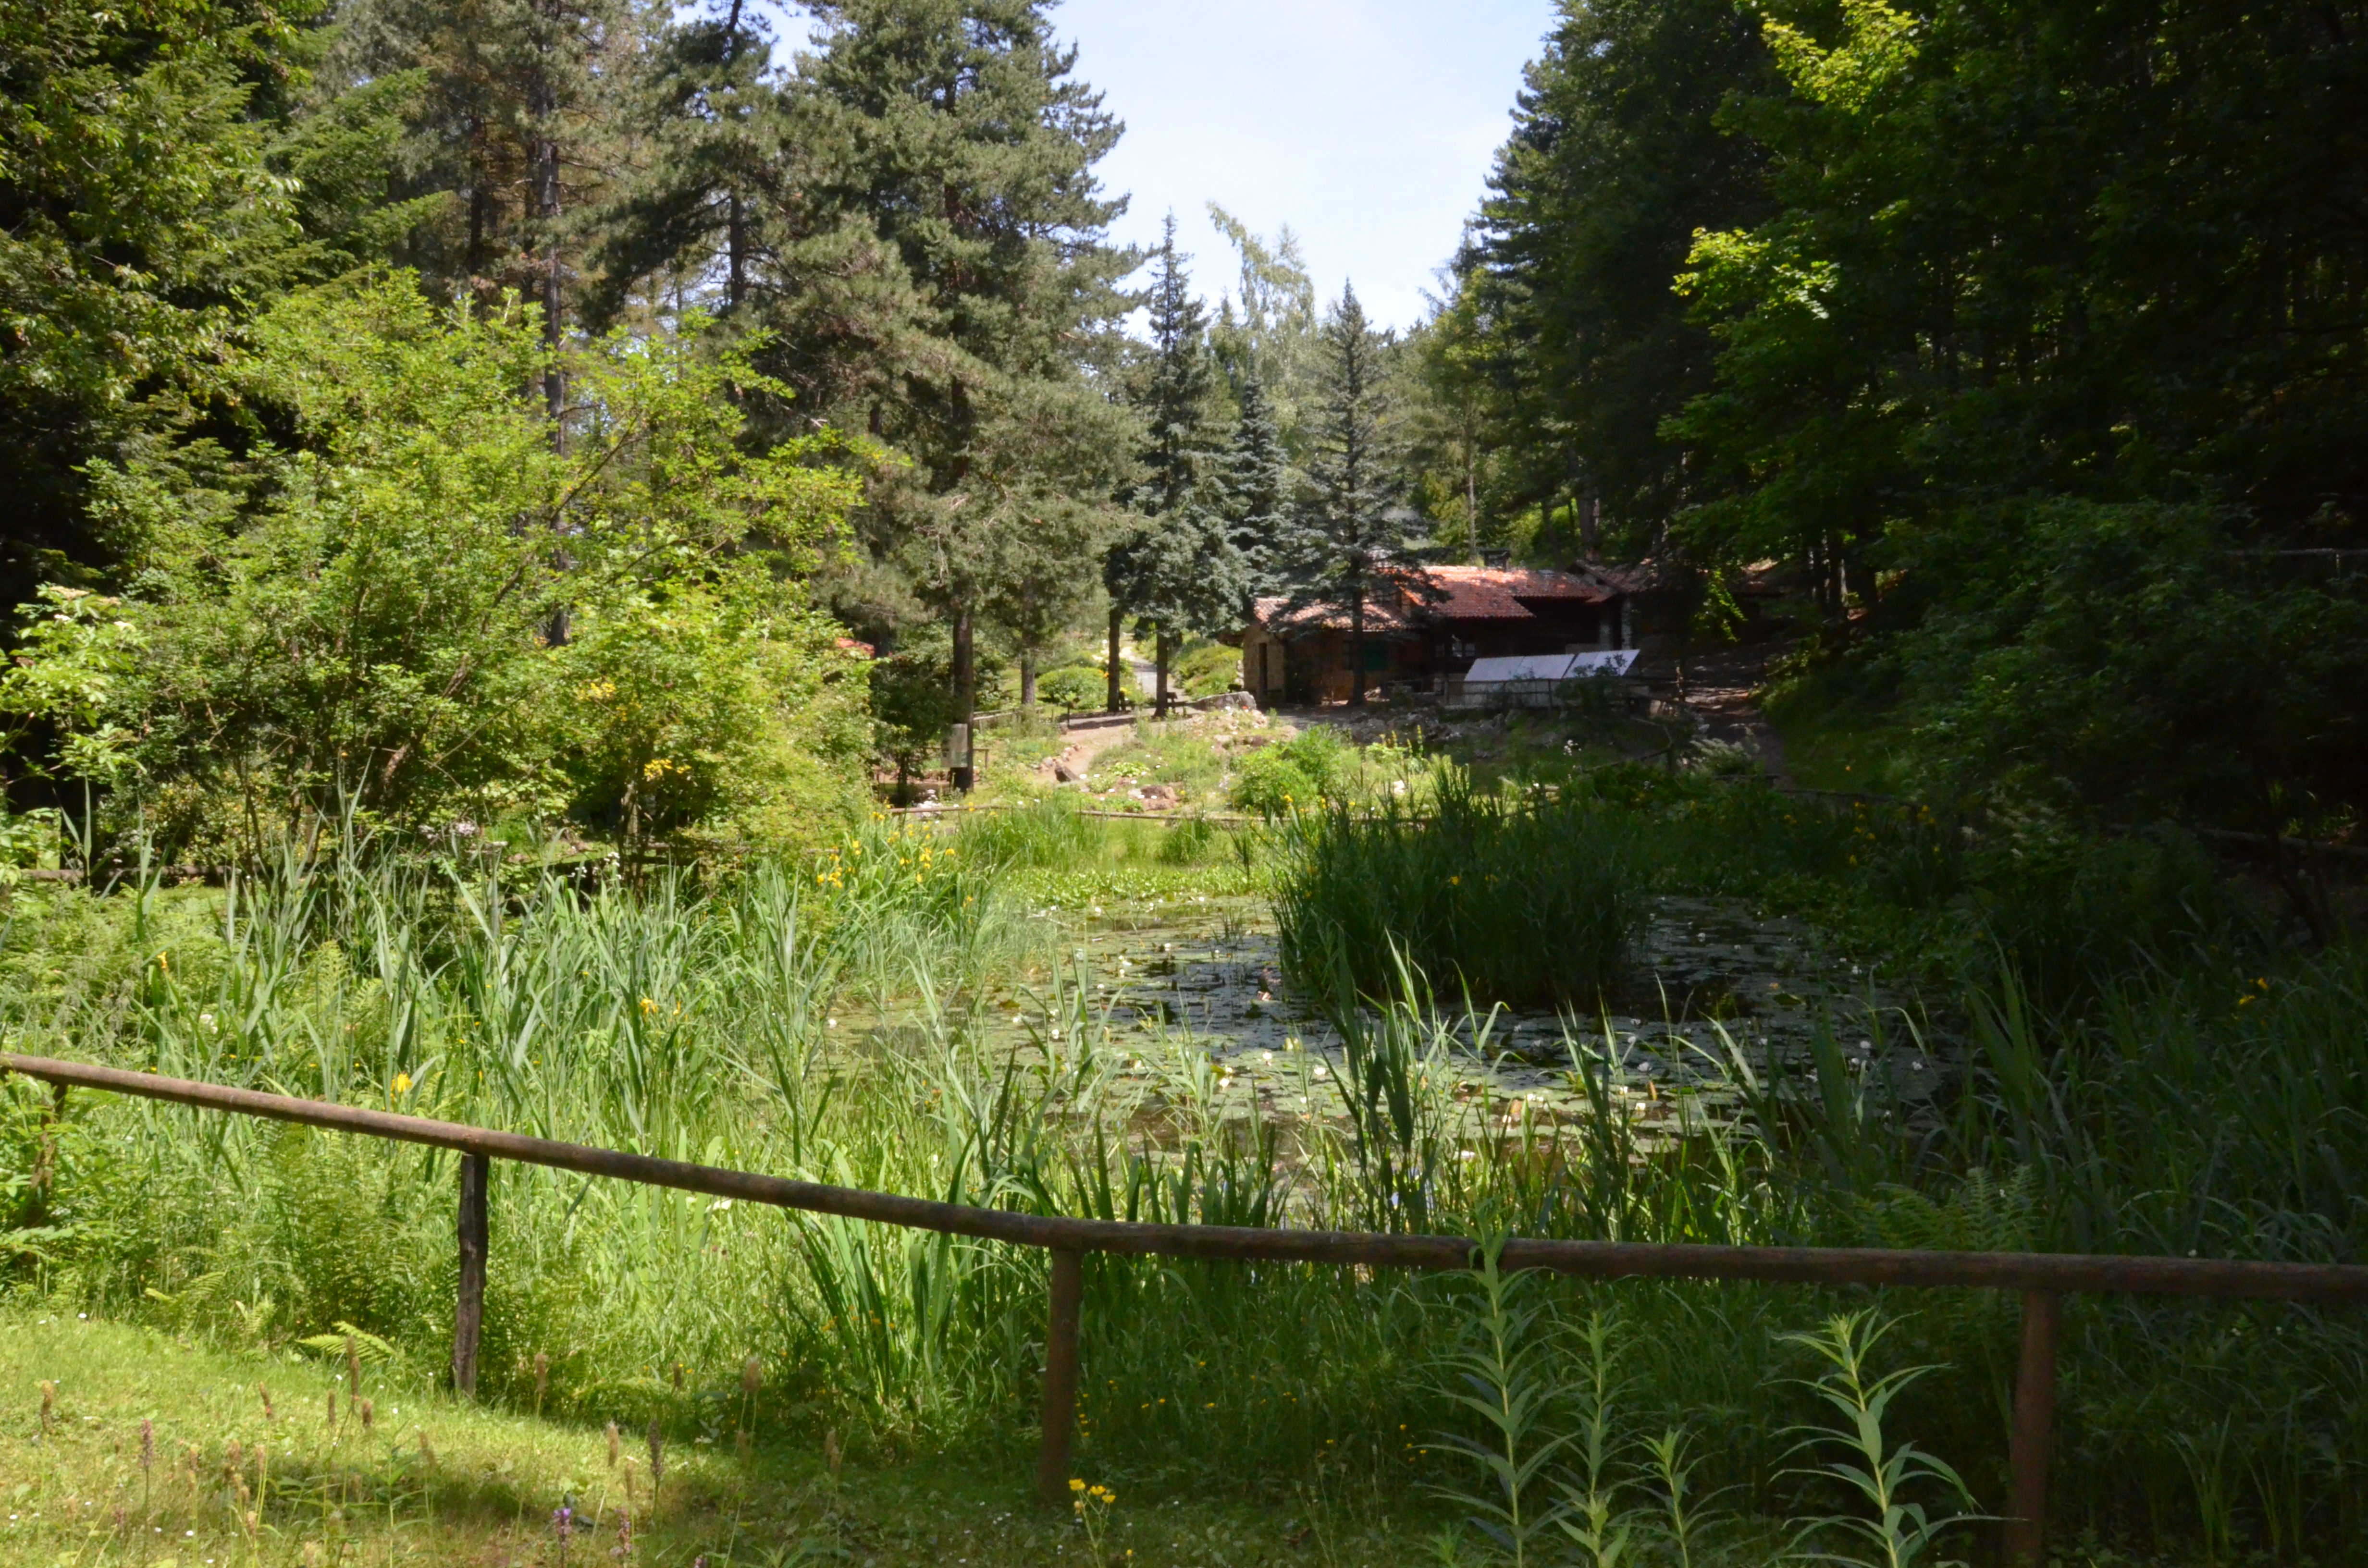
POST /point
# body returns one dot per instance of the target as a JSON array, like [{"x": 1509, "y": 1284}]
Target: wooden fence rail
[{"x": 2042, "y": 1278}]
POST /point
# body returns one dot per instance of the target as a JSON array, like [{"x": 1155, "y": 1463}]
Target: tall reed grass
[{"x": 1525, "y": 903}]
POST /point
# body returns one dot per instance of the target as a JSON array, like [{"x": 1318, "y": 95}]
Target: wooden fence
[{"x": 2042, "y": 1278}]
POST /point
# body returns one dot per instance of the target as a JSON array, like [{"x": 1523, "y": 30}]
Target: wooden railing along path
[{"x": 2042, "y": 1279}]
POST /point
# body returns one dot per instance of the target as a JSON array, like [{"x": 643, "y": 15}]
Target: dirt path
[
  {"x": 1721, "y": 688},
  {"x": 1087, "y": 744}
]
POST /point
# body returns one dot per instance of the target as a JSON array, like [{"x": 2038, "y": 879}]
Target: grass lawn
[{"x": 431, "y": 1481}]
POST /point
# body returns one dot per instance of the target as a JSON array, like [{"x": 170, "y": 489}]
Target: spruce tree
[
  {"x": 1254, "y": 479},
  {"x": 1351, "y": 536},
  {"x": 1177, "y": 570}
]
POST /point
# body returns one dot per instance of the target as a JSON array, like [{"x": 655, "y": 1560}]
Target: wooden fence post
[
  {"x": 1060, "y": 1377},
  {"x": 469, "y": 1313},
  {"x": 2033, "y": 1445}
]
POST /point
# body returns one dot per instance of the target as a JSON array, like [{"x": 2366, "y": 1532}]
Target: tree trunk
[
  {"x": 735, "y": 287},
  {"x": 1591, "y": 526},
  {"x": 1356, "y": 649},
  {"x": 543, "y": 103},
  {"x": 1027, "y": 681},
  {"x": 1117, "y": 618},
  {"x": 476, "y": 254},
  {"x": 1166, "y": 646},
  {"x": 1471, "y": 498},
  {"x": 554, "y": 381},
  {"x": 736, "y": 234},
  {"x": 965, "y": 674}
]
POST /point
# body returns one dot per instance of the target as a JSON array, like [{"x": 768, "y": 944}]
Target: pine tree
[
  {"x": 1177, "y": 571},
  {"x": 1627, "y": 142},
  {"x": 935, "y": 272},
  {"x": 1178, "y": 458},
  {"x": 1351, "y": 536},
  {"x": 519, "y": 122},
  {"x": 693, "y": 209},
  {"x": 1255, "y": 481}
]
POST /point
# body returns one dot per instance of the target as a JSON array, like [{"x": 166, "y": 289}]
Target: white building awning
[{"x": 1548, "y": 668}]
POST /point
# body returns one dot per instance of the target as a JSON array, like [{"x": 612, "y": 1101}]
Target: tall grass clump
[
  {"x": 2069, "y": 915},
  {"x": 1035, "y": 836},
  {"x": 1525, "y": 903}
]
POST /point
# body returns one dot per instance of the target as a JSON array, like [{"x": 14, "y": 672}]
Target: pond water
[{"x": 1196, "y": 1008}]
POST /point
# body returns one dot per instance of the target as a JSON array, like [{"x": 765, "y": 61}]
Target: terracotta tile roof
[
  {"x": 1458, "y": 594},
  {"x": 1496, "y": 593},
  {"x": 1379, "y": 618}
]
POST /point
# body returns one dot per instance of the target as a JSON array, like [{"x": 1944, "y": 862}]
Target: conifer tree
[
  {"x": 935, "y": 274},
  {"x": 1351, "y": 536},
  {"x": 1177, "y": 570},
  {"x": 692, "y": 210},
  {"x": 519, "y": 123},
  {"x": 1255, "y": 481}
]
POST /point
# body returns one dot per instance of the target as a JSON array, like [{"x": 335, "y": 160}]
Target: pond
[{"x": 1196, "y": 1008}]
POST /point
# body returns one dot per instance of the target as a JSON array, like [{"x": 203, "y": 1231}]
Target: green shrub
[
  {"x": 1294, "y": 776},
  {"x": 1075, "y": 686},
  {"x": 2071, "y": 917},
  {"x": 1522, "y": 905},
  {"x": 360, "y": 619},
  {"x": 1188, "y": 841},
  {"x": 1206, "y": 670}
]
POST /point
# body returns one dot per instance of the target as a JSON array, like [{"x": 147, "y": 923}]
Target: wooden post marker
[
  {"x": 468, "y": 1313},
  {"x": 1061, "y": 1377},
  {"x": 2033, "y": 1445}
]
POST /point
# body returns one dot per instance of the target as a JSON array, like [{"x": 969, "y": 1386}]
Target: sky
[{"x": 1368, "y": 126}]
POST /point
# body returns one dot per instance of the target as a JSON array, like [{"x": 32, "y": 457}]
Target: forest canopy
[
  {"x": 2015, "y": 343},
  {"x": 2026, "y": 336}
]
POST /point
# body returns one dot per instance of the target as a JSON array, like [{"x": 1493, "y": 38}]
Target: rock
[{"x": 1063, "y": 774}]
